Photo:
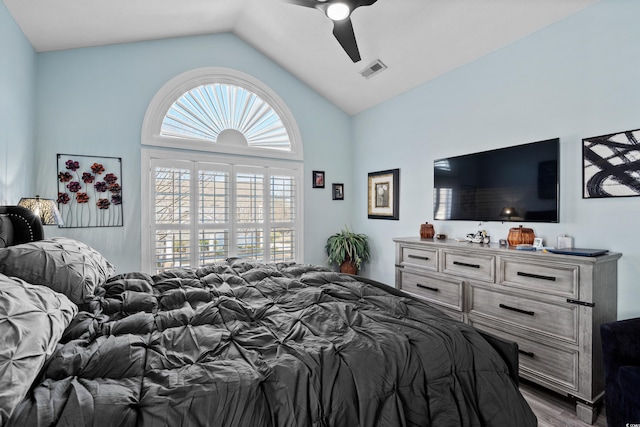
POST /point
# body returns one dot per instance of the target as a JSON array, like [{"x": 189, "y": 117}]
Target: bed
[{"x": 237, "y": 343}]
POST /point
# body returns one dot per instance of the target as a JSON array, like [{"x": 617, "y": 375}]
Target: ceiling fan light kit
[{"x": 339, "y": 11}]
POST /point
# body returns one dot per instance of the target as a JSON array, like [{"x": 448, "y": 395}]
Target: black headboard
[{"x": 19, "y": 225}]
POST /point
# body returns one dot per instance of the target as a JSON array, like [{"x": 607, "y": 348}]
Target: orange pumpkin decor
[
  {"x": 520, "y": 236},
  {"x": 427, "y": 231}
]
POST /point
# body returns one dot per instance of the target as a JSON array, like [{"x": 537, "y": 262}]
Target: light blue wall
[
  {"x": 17, "y": 106},
  {"x": 574, "y": 79},
  {"x": 92, "y": 102}
]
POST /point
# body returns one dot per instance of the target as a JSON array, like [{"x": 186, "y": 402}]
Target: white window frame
[
  {"x": 170, "y": 150},
  {"x": 183, "y": 83},
  {"x": 151, "y": 156}
]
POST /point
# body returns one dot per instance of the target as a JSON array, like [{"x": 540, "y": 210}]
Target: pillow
[
  {"x": 32, "y": 320},
  {"x": 62, "y": 264},
  {"x": 6, "y": 231}
]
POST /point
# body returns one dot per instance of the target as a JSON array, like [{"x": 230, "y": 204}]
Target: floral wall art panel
[{"x": 90, "y": 191}]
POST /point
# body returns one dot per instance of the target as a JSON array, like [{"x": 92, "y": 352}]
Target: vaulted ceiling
[{"x": 418, "y": 40}]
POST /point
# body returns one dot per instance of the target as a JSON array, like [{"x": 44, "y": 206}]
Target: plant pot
[{"x": 348, "y": 267}]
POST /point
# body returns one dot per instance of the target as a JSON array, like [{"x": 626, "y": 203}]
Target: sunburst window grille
[{"x": 226, "y": 114}]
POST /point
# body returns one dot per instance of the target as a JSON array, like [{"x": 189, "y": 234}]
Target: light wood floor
[{"x": 555, "y": 410}]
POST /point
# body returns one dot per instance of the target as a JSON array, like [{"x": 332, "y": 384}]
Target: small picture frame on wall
[
  {"x": 318, "y": 179},
  {"x": 384, "y": 195},
  {"x": 337, "y": 191}
]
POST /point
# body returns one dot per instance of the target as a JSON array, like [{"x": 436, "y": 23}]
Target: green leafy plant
[{"x": 348, "y": 246}]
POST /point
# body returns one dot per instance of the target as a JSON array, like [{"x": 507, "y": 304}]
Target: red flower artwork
[
  {"x": 65, "y": 176},
  {"x": 81, "y": 197},
  {"x": 97, "y": 168}
]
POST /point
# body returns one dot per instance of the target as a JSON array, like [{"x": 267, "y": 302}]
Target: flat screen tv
[{"x": 518, "y": 183}]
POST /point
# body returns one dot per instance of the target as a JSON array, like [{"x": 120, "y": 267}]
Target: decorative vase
[
  {"x": 426, "y": 231},
  {"x": 520, "y": 236}
]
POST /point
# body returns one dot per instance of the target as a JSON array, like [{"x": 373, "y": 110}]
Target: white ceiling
[{"x": 418, "y": 40}]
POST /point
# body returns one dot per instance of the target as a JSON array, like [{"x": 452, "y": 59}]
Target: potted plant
[{"x": 348, "y": 249}]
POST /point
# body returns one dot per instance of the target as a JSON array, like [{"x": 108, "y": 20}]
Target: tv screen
[{"x": 518, "y": 183}]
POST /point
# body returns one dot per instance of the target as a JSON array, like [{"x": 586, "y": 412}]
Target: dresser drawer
[
  {"x": 541, "y": 362},
  {"x": 474, "y": 266},
  {"x": 547, "y": 277},
  {"x": 447, "y": 292},
  {"x": 425, "y": 258},
  {"x": 553, "y": 320}
]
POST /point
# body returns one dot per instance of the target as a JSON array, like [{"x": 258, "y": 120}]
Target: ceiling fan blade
[
  {"x": 305, "y": 3},
  {"x": 359, "y": 3},
  {"x": 343, "y": 30}
]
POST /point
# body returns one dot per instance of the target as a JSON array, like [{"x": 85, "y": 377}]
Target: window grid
[
  {"x": 249, "y": 198},
  {"x": 250, "y": 244},
  {"x": 172, "y": 249},
  {"x": 213, "y": 246},
  {"x": 214, "y": 197},
  {"x": 282, "y": 244},
  {"x": 221, "y": 189},
  {"x": 282, "y": 199},
  {"x": 172, "y": 196}
]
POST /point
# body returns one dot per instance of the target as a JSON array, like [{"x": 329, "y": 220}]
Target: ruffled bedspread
[{"x": 247, "y": 344}]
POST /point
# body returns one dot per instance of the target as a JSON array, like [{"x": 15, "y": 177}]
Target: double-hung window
[{"x": 231, "y": 184}]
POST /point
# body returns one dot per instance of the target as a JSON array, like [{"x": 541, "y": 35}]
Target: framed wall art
[
  {"x": 318, "y": 179},
  {"x": 337, "y": 191},
  {"x": 90, "y": 191},
  {"x": 384, "y": 194},
  {"x": 611, "y": 165}
]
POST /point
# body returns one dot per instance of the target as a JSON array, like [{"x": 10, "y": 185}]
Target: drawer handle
[
  {"x": 425, "y": 258},
  {"x": 526, "y": 353},
  {"x": 464, "y": 264},
  {"x": 536, "y": 276},
  {"x": 575, "y": 301},
  {"x": 519, "y": 310},
  {"x": 427, "y": 287}
]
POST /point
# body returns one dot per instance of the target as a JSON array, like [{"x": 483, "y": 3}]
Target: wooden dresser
[{"x": 551, "y": 305}]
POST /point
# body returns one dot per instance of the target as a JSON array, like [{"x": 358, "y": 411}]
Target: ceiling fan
[{"x": 339, "y": 11}]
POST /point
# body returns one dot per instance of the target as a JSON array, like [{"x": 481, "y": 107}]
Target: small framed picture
[
  {"x": 337, "y": 190},
  {"x": 384, "y": 194},
  {"x": 318, "y": 179},
  {"x": 537, "y": 242}
]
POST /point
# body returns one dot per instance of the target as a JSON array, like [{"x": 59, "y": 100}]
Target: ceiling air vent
[{"x": 374, "y": 68}]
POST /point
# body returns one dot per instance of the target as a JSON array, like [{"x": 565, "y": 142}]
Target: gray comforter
[{"x": 247, "y": 344}]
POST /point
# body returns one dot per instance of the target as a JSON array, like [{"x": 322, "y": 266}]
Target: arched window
[
  {"x": 226, "y": 114},
  {"x": 231, "y": 183}
]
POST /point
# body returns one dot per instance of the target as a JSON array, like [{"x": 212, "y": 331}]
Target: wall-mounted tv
[{"x": 518, "y": 183}]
